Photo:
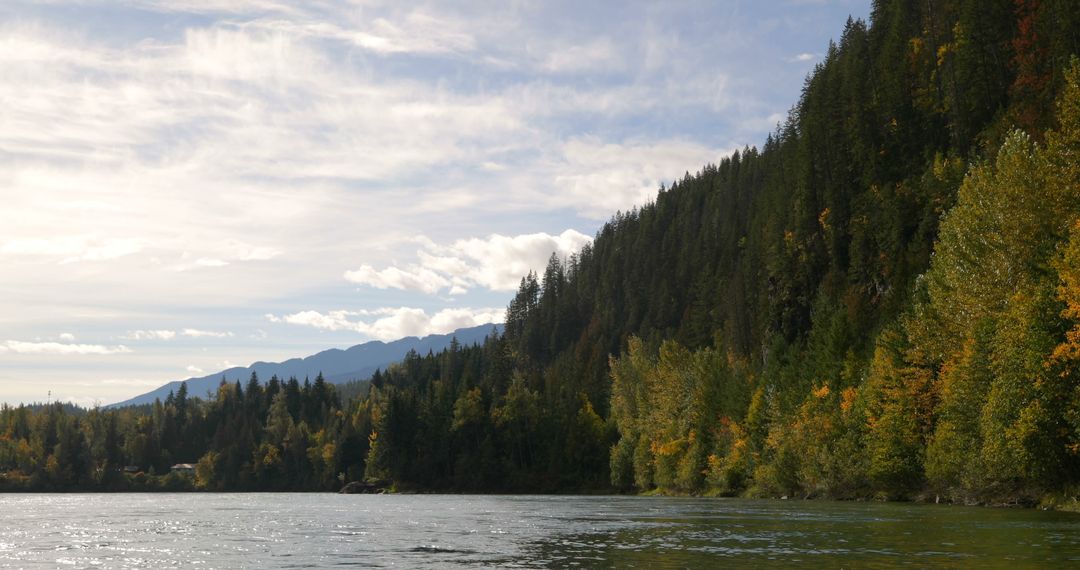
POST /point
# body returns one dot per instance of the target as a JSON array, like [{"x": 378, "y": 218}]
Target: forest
[{"x": 882, "y": 301}]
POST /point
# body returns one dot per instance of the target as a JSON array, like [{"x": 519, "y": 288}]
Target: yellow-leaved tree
[{"x": 991, "y": 320}]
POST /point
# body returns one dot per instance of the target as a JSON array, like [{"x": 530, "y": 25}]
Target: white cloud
[
  {"x": 499, "y": 262},
  {"x": 20, "y": 347},
  {"x": 73, "y": 248},
  {"x": 496, "y": 263},
  {"x": 224, "y": 255},
  {"x": 594, "y": 177},
  {"x": 150, "y": 335},
  {"x": 67, "y": 337},
  {"x": 110, "y": 249},
  {"x": 210, "y": 262},
  {"x": 417, "y": 32},
  {"x": 235, "y": 55},
  {"x": 192, "y": 369},
  {"x": 210, "y": 6},
  {"x": 448, "y": 320},
  {"x": 599, "y": 54},
  {"x": 393, "y": 323},
  {"x": 600, "y": 177},
  {"x": 196, "y": 333},
  {"x": 332, "y": 321},
  {"x": 804, "y": 57},
  {"x": 165, "y": 334},
  {"x": 412, "y": 278},
  {"x": 263, "y": 127},
  {"x": 248, "y": 253}
]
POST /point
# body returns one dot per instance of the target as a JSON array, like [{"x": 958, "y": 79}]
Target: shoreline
[{"x": 1050, "y": 502}]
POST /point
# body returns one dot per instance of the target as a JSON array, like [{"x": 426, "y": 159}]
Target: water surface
[{"x": 438, "y": 531}]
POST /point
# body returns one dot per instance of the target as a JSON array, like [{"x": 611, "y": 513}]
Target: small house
[{"x": 183, "y": 468}]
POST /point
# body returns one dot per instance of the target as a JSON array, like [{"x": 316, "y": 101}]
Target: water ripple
[{"x": 317, "y": 531}]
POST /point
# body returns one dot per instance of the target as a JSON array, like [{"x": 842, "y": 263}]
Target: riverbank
[{"x": 1065, "y": 501}]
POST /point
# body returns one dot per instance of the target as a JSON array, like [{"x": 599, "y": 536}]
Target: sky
[{"x": 189, "y": 185}]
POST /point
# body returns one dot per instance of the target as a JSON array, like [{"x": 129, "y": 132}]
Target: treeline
[
  {"x": 882, "y": 301},
  {"x": 263, "y": 436}
]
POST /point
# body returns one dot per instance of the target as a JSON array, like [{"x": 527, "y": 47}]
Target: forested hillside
[
  {"x": 784, "y": 323},
  {"x": 881, "y": 301}
]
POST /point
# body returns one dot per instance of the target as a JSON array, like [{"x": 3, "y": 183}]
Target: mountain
[{"x": 336, "y": 365}]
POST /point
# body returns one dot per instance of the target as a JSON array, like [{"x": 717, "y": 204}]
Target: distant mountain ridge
[{"x": 336, "y": 365}]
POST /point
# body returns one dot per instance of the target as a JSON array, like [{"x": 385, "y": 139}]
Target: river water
[{"x": 440, "y": 531}]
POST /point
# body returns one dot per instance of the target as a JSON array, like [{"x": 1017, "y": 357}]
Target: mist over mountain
[{"x": 337, "y": 366}]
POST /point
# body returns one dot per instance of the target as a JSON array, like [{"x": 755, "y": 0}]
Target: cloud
[
  {"x": 196, "y": 333},
  {"x": 496, "y": 263},
  {"x": 267, "y": 125},
  {"x": 331, "y": 321},
  {"x": 597, "y": 55},
  {"x": 210, "y": 6},
  {"x": 414, "y": 278},
  {"x": 241, "y": 55},
  {"x": 73, "y": 248},
  {"x": 600, "y": 177},
  {"x": 802, "y": 57},
  {"x": 192, "y": 369},
  {"x": 171, "y": 334},
  {"x": 225, "y": 254},
  {"x": 499, "y": 262},
  {"x": 393, "y": 323},
  {"x": 67, "y": 337},
  {"x": 210, "y": 262},
  {"x": 418, "y": 33},
  {"x": 19, "y": 347},
  {"x": 150, "y": 335}
]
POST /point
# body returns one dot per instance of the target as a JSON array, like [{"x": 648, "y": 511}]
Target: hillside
[{"x": 874, "y": 303}]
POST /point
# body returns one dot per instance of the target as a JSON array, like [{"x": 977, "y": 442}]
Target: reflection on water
[
  {"x": 321, "y": 530},
  {"x": 695, "y": 533}
]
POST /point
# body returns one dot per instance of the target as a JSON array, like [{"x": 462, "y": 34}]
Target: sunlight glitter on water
[{"x": 276, "y": 531}]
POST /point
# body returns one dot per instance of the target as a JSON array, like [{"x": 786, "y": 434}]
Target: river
[{"x": 439, "y": 531}]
